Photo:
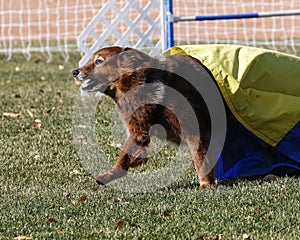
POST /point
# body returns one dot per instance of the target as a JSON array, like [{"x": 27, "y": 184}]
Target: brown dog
[{"x": 142, "y": 87}]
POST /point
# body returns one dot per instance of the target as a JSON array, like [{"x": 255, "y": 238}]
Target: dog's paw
[
  {"x": 206, "y": 185},
  {"x": 270, "y": 177},
  {"x": 113, "y": 174},
  {"x": 103, "y": 179},
  {"x": 207, "y": 181}
]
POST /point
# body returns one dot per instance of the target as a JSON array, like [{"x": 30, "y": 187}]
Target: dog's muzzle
[
  {"x": 88, "y": 85},
  {"x": 75, "y": 73},
  {"x": 78, "y": 75}
]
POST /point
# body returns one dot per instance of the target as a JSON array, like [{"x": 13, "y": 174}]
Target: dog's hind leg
[{"x": 205, "y": 172}]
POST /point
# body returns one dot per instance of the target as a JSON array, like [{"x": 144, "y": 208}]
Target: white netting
[
  {"x": 278, "y": 33},
  {"x": 48, "y": 26},
  {"x": 43, "y": 25}
]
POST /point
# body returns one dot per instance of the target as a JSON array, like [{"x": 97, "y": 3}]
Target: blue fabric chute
[{"x": 261, "y": 88}]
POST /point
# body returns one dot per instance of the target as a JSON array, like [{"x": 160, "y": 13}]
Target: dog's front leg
[{"x": 133, "y": 154}]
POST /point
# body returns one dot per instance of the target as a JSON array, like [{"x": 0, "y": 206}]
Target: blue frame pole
[
  {"x": 170, "y": 27},
  {"x": 237, "y": 16},
  {"x": 170, "y": 19}
]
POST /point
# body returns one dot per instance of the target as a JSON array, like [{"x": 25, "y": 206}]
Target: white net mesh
[
  {"x": 44, "y": 26},
  {"x": 278, "y": 33},
  {"x": 48, "y": 26}
]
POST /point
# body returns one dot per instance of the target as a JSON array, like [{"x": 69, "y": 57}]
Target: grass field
[{"x": 46, "y": 193}]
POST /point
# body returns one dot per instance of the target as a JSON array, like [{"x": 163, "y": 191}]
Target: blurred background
[{"x": 48, "y": 26}]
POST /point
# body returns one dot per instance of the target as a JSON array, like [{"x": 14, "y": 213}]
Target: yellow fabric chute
[{"x": 261, "y": 87}]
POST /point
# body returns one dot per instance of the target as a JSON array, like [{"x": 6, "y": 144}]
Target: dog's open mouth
[{"x": 89, "y": 85}]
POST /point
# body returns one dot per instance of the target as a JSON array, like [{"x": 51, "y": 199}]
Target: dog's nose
[{"x": 75, "y": 72}]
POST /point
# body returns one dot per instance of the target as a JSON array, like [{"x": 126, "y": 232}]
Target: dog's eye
[{"x": 99, "y": 61}]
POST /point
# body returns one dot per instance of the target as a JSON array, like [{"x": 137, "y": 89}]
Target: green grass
[{"x": 42, "y": 198}]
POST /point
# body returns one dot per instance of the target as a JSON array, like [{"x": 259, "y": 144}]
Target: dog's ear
[{"x": 128, "y": 59}]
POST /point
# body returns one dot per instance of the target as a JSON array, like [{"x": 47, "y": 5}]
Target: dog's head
[
  {"x": 114, "y": 70},
  {"x": 97, "y": 60}
]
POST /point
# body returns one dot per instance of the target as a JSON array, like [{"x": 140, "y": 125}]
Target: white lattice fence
[{"x": 125, "y": 23}]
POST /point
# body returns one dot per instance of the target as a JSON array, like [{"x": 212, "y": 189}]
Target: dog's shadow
[{"x": 194, "y": 184}]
